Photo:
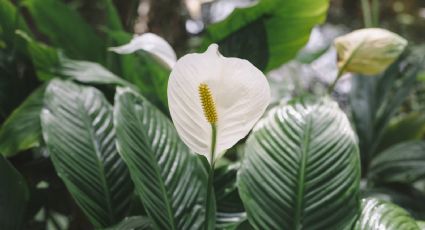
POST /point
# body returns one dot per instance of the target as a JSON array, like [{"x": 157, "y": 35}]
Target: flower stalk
[{"x": 210, "y": 189}]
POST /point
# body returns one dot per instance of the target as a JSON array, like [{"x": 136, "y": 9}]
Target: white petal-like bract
[
  {"x": 240, "y": 92},
  {"x": 151, "y": 43},
  {"x": 368, "y": 51}
]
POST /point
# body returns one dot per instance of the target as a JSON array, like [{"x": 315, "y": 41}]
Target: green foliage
[
  {"x": 404, "y": 195},
  {"x": 66, "y": 29},
  {"x": 421, "y": 224},
  {"x": 10, "y": 20},
  {"x": 89, "y": 72},
  {"x": 144, "y": 71},
  {"x": 22, "y": 129},
  {"x": 405, "y": 128},
  {"x": 230, "y": 210},
  {"x": 78, "y": 129},
  {"x": 381, "y": 215},
  {"x": 13, "y": 196},
  {"x": 277, "y": 28},
  {"x": 133, "y": 223},
  {"x": 403, "y": 163},
  {"x": 295, "y": 157},
  {"x": 46, "y": 59},
  {"x": 300, "y": 166},
  {"x": 170, "y": 180},
  {"x": 375, "y": 100}
]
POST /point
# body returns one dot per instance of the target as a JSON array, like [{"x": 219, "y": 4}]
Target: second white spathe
[{"x": 151, "y": 43}]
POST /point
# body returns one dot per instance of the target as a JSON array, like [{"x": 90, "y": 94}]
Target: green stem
[
  {"x": 210, "y": 190},
  {"x": 343, "y": 67},
  {"x": 338, "y": 76},
  {"x": 367, "y": 14},
  {"x": 375, "y": 13}
]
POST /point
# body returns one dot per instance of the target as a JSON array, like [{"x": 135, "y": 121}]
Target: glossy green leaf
[
  {"x": 287, "y": 26},
  {"x": 78, "y": 129},
  {"x": 301, "y": 169},
  {"x": 170, "y": 180},
  {"x": 133, "y": 223},
  {"x": 405, "y": 128},
  {"x": 230, "y": 210},
  {"x": 22, "y": 129},
  {"x": 403, "y": 195},
  {"x": 375, "y": 100},
  {"x": 46, "y": 59},
  {"x": 13, "y": 196},
  {"x": 66, "y": 29},
  {"x": 89, "y": 72},
  {"x": 404, "y": 163},
  {"x": 10, "y": 20},
  {"x": 381, "y": 215}
]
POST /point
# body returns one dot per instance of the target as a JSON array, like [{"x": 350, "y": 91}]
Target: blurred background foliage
[{"x": 44, "y": 39}]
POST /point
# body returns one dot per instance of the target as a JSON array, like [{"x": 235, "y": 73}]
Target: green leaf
[
  {"x": 382, "y": 215},
  {"x": 301, "y": 169},
  {"x": 89, "y": 72},
  {"x": 66, "y": 29},
  {"x": 113, "y": 21},
  {"x": 253, "y": 49},
  {"x": 405, "y": 128},
  {"x": 287, "y": 26},
  {"x": 22, "y": 129},
  {"x": 133, "y": 223},
  {"x": 170, "y": 180},
  {"x": 404, "y": 163},
  {"x": 10, "y": 20},
  {"x": 375, "y": 100},
  {"x": 78, "y": 129},
  {"x": 421, "y": 224},
  {"x": 13, "y": 196},
  {"x": 46, "y": 59},
  {"x": 230, "y": 210},
  {"x": 403, "y": 195}
]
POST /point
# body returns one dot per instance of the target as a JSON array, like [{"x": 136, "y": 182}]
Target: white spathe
[
  {"x": 240, "y": 91},
  {"x": 152, "y": 43},
  {"x": 368, "y": 51}
]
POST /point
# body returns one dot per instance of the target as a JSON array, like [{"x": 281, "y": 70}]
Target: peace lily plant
[{"x": 214, "y": 102}]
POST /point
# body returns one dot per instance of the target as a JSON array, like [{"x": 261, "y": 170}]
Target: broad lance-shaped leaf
[
  {"x": 78, "y": 129},
  {"x": 382, "y": 215},
  {"x": 13, "y": 197},
  {"x": 10, "y": 20},
  {"x": 374, "y": 101},
  {"x": 22, "y": 129},
  {"x": 133, "y": 223},
  {"x": 404, "y": 163},
  {"x": 301, "y": 169},
  {"x": 65, "y": 28},
  {"x": 170, "y": 180},
  {"x": 276, "y": 29}
]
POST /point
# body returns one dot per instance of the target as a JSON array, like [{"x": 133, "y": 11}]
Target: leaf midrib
[
  {"x": 301, "y": 174},
  {"x": 100, "y": 168},
  {"x": 156, "y": 166}
]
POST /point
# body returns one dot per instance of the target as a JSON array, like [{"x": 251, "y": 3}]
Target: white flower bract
[
  {"x": 152, "y": 44},
  {"x": 368, "y": 51},
  {"x": 239, "y": 90}
]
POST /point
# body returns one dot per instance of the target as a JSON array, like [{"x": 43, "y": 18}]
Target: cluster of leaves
[{"x": 99, "y": 121}]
